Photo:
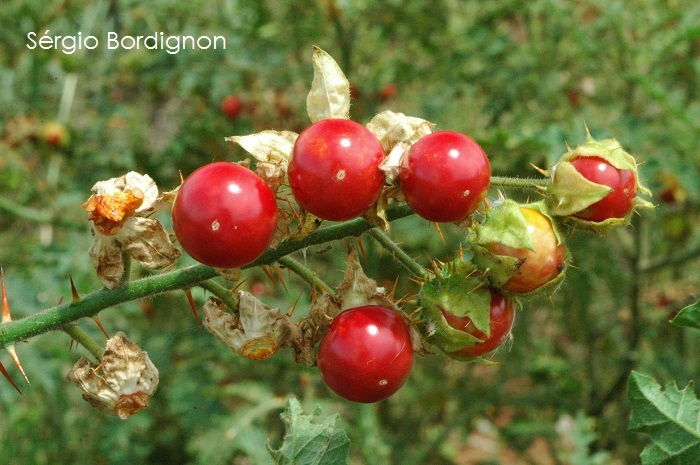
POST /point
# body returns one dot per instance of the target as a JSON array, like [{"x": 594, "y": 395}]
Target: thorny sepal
[
  {"x": 255, "y": 331},
  {"x": 329, "y": 96},
  {"x": 119, "y": 209},
  {"x": 570, "y": 192},
  {"x": 357, "y": 290},
  {"x": 505, "y": 224},
  {"x": 458, "y": 289},
  {"x": 123, "y": 381}
]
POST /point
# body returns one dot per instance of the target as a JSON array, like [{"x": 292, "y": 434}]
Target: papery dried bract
[
  {"x": 127, "y": 230},
  {"x": 123, "y": 382},
  {"x": 267, "y": 146},
  {"x": 329, "y": 96},
  {"x": 256, "y": 331},
  {"x": 272, "y": 150},
  {"x": 391, "y": 128},
  {"x": 392, "y": 163}
]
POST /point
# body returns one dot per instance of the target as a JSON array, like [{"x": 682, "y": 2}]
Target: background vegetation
[{"x": 519, "y": 77}]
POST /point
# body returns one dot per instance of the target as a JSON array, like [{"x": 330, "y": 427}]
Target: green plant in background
[{"x": 576, "y": 355}]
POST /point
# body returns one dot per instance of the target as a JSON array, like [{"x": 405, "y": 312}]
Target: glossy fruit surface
[
  {"x": 445, "y": 176},
  {"x": 619, "y": 202},
  {"x": 224, "y": 215},
  {"x": 366, "y": 355},
  {"x": 502, "y": 314},
  {"x": 334, "y": 169},
  {"x": 539, "y": 266}
]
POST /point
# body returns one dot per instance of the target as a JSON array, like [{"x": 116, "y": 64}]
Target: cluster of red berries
[{"x": 225, "y": 216}]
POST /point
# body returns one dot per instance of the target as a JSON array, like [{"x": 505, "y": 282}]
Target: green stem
[
  {"x": 221, "y": 292},
  {"x": 519, "y": 183},
  {"x": 398, "y": 253},
  {"x": 82, "y": 338},
  {"x": 665, "y": 262},
  {"x": 91, "y": 304},
  {"x": 306, "y": 274}
]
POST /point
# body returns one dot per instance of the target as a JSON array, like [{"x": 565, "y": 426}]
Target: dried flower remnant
[
  {"x": 119, "y": 209},
  {"x": 256, "y": 331},
  {"x": 122, "y": 383}
]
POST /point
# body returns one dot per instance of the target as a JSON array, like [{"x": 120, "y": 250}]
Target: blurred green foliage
[{"x": 519, "y": 77}]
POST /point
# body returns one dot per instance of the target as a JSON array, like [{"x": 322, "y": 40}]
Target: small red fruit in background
[
  {"x": 224, "y": 215},
  {"x": 445, "y": 176},
  {"x": 334, "y": 169},
  {"x": 388, "y": 91},
  {"x": 366, "y": 355},
  {"x": 540, "y": 266},
  {"x": 619, "y": 202},
  {"x": 55, "y": 134},
  {"x": 232, "y": 106},
  {"x": 502, "y": 314}
]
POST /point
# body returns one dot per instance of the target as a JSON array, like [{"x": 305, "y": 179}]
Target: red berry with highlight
[
  {"x": 366, "y": 355},
  {"x": 334, "y": 169},
  {"x": 445, "y": 176},
  {"x": 224, "y": 215},
  {"x": 619, "y": 202}
]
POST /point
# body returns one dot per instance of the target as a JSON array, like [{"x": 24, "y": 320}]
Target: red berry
[
  {"x": 232, "y": 106},
  {"x": 366, "y": 355},
  {"x": 388, "y": 91},
  {"x": 445, "y": 176},
  {"x": 619, "y": 202},
  {"x": 334, "y": 169},
  {"x": 224, "y": 215},
  {"x": 502, "y": 314},
  {"x": 539, "y": 266}
]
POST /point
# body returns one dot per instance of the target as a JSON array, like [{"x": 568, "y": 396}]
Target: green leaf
[
  {"x": 689, "y": 316},
  {"x": 671, "y": 417},
  {"x": 307, "y": 443}
]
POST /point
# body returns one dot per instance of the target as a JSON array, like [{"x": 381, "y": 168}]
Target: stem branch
[
  {"x": 398, "y": 253},
  {"x": 221, "y": 292},
  {"x": 82, "y": 338},
  {"x": 306, "y": 274},
  {"x": 91, "y": 304},
  {"x": 519, "y": 183}
]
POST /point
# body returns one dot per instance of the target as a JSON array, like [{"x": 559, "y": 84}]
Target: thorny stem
[
  {"x": 221, "y": 292},
  {"x": 91, "y": 304},
  {"x": 519, "y": 183},
  {"x": 82, "y": 338},
  {"x": 398, "y": 253},
  {"x": 306, "y": 274}
]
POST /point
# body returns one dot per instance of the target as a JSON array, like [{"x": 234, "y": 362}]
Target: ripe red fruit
[
  {"x": 619, "y": 202},
  {"x": 445, "y": 176},
  {"x": 232, "y": 106},
  {"x": 539, "y": 266},
  {"x": 502, "y": 314},
  {"x": 366, "y": 355},
  {"x": 388, "y": 91},
  {"x": 334, "y": 169},
  {"x": 224, "y": 215}
]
